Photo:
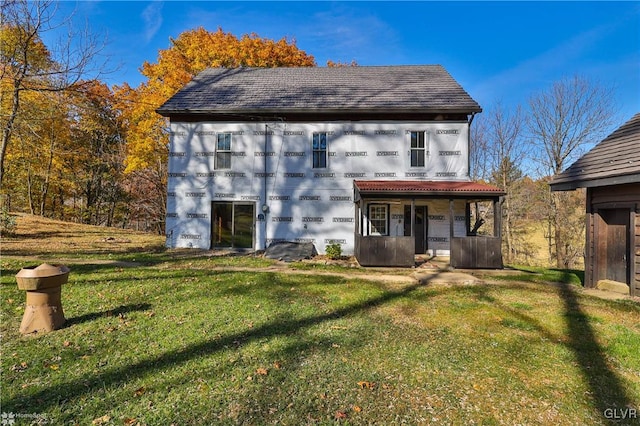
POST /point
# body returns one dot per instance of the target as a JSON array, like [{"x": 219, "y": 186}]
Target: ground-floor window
[{"x": 378, "y": 219}]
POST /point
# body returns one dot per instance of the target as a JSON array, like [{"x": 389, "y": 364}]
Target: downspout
[
  {"x": 265, "y": 207},
  {"x": 470, "y": 120}
]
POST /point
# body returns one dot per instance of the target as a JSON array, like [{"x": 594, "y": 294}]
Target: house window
[
  {"x": 223, "y": 151},
  {"x": 378, "y": 219},
  {"x": 417, "y": 149},
  {"x": 319, "y": 147}
]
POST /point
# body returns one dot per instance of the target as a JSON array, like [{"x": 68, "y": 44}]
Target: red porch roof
[{"x": 416, "y": 187}]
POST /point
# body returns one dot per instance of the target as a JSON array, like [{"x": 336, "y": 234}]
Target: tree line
[{"x": 75, "y": 149}]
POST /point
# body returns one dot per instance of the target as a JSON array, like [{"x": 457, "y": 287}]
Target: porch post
[
  {"x": 451, "y": 220},
  {"x": 497, "y": 217},
  {"x": 413, "y": 216},
  {"x": 363, "y": 211}
]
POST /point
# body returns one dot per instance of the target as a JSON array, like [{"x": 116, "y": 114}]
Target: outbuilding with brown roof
[{"x": 610, "y": 172}]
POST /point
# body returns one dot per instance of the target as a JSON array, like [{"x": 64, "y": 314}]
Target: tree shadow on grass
[
  {"x": 120, "y": 310},
  {"x": 606, "y": 390},
  {"x": 68, "y": 391}
]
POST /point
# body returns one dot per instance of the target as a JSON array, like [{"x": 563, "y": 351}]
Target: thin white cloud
[
  {"x": 345, "y": 34},
  {"x": 152, "y": 17},
  {"x": 545, "y": 68},
  {"x": 325, "y": 30}
]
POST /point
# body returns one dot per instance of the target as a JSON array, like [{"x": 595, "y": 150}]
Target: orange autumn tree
[
  {"x": 192, "y": 52},
  {"x": 146, "y": 132}
]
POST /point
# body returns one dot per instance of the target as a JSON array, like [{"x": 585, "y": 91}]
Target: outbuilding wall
[{"x": 623, "y": 198}]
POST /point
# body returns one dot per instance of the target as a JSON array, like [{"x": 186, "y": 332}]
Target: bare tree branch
[{"x": 564, "y": 120}]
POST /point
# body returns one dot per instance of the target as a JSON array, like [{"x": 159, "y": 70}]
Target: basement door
[
  {"x": 232, "y": 224},
  {"x": 615, "y": 235}
]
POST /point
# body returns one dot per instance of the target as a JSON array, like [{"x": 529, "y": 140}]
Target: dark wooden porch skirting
[
  {"x": 385, "y": 251},
  {"x": 476, "y": 252}
]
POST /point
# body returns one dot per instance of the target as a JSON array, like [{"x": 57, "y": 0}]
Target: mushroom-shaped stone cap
[{"x": 43, "y": 276}]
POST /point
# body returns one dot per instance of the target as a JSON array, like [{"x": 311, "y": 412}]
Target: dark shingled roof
[
  {"x": 615, "y": 160},
  {"x": 419, "y": 88}
]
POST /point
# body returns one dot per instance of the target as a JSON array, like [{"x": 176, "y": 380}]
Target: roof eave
[
  {"x": 435, "y": 193},
  {"x": 273, "y": 111},
  {"x": 570, "y": 185}
]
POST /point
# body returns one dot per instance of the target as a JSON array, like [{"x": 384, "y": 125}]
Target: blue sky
[{"x": 503, "y": 51}]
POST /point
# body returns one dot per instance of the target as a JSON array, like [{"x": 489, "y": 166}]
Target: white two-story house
[{"x": 375, "y": 159}]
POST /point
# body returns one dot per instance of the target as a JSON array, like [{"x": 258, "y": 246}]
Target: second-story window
[
  {"x": 418, "y": 149},
  {"x": 319, "y": 148},
  {"x": 223, "y": 151}
]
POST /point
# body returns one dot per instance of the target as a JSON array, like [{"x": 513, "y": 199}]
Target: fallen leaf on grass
[
  {"x": 101, "y": 420},
  {"x": 66, "y": 343},
  {"x": 262, "y": 371},
  {"x": 366, "y": 385},
  {"x": 139, "y": 392},
  {"x": 341, "y": 415},
  {"x": 23, "y": 366},
  {"x": 129, "y": 421},
  {"x": 277, "y": 365},
  {"x": 357, "y": 408}
]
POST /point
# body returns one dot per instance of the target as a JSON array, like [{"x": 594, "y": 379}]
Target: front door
[
  {"x": 419, "y": 227},
  {"x": 232, "y": 224},
  {"x": 616, "y": 263}
]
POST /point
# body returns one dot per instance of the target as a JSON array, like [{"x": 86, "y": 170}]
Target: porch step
[{"x": 614, "y": 286}]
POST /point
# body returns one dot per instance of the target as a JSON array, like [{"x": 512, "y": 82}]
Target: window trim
[
  {"x": 370, "y": 219},
  {"x": 225, "y": 152},
  {"x": 417, "y": 149},
  {"x": 320, "y": 150}
]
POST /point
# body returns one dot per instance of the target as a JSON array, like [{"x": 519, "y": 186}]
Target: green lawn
[{"x": 175, "y": 341}]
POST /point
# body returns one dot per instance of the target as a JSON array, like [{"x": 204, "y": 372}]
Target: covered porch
[{"x": 396, "y": 220}]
